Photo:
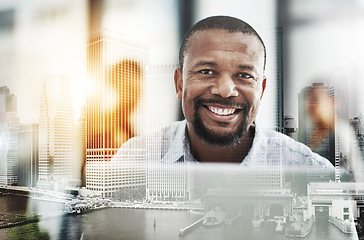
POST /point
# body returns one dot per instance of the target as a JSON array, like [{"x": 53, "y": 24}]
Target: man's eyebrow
[
  {"x": 205, "y": 63},
  {"x": 246, "y": 67}
]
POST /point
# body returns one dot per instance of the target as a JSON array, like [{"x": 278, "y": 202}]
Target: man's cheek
[{"x": 188, "y": 94}]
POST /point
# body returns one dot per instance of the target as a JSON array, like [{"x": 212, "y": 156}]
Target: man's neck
[{"x": 209, "y": 153}]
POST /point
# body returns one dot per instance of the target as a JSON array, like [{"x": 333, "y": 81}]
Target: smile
[{"x": 222, "y": 111}]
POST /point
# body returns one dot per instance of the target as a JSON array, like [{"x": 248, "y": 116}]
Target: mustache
[{"x": 223, "y": 102}]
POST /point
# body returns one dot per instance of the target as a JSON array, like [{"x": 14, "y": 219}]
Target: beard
[{"x": 209, "y": 136}]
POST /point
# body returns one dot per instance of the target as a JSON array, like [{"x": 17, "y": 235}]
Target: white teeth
[{"x": 222, "y": 111}]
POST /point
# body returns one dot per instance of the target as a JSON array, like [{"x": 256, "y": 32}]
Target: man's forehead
[
  {"x": 224, "y": 40},
  {"x": 209, "y": 42},
  {"x": 219, "y": 34}
]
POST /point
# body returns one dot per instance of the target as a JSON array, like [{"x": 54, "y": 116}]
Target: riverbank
[
  {"x": 21, "y": 220},
  {"x": 14, "y": 190},
  {"x": 9, "y": 220},
  {"x": 158, "y": 206}
]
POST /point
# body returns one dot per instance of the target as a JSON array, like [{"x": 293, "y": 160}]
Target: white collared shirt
[{"x": 269, "y": 148}]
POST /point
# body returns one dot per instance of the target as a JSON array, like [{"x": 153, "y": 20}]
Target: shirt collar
[
  {"x": 180, "y": 146},
  {"x": 248, "y": 160}
]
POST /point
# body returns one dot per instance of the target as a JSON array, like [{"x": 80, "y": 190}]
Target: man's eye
[
  {"x": 245, "y": 75},
  {"x": 207, "y": 72}
]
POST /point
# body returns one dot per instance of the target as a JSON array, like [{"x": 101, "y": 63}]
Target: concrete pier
[
  {"x": 189, "y": 228},
  {"x": 344, "y": 226}
]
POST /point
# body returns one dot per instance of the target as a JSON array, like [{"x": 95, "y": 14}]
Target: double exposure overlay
[{"x": 96, "y": 140}]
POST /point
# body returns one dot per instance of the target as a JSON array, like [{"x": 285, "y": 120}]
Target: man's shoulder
[
  {"x": 279, "y": 139},
  {"x": 292, "y": 151}
]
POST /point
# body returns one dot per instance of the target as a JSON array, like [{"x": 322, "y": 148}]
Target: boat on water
[
  {"x": 277, "y": 223},
  {"x": 279, "y": 227},
  {"x": 300, "y": 228},
  {"x": 257, "y": 222},
  {"x": 196, "y": 211},
  {"x": 214, "y": 217},
  {"x": 79, "y": 205}
]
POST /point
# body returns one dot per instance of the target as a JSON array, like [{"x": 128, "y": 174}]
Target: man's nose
[{"x": 225, "y": 87}]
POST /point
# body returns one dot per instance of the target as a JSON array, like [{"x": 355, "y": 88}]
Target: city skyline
[{"x": 356, "y": 122}]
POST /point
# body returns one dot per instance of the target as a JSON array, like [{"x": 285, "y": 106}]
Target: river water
[{"x": 130, "y": 224}]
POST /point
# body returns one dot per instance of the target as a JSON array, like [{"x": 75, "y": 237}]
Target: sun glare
[{"x": 78, "y": 92}]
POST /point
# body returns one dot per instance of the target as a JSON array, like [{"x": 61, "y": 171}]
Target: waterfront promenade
[
  {"x": 10, "y": 219},
  {"x": 137, "y": 223},
  {"x": 32, "y": 192},
  {"x": 160, "y": 206},
  {"x": 47, "y": 208}
]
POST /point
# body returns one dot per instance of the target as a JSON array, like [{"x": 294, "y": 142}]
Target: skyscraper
[
  {"x": 162, "y": 182},
  {"x": 80, "y": 147},
  {"x": 9, "y": 126},
  {"x": 28, "y": 147},
  {"x": 116, "y": 66},
  {"x": 55, "y": 133},
  {"x": 160, "y": 109},
  {"x": 358, "y": 124}
]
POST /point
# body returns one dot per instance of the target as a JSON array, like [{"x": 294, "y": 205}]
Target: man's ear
[
  {"x": 178, "y": 82},
  {"x": 264, "y": 82}
]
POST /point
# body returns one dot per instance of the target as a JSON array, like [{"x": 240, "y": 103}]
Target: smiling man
[{"x": 221, "y": 82}]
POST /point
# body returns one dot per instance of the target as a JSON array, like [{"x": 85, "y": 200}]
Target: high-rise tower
[
  {"x": 28, "y": 148},
  {"x": 116, "y": 66},
  {"x": 80, "y": 147},
  {"x": 55, "y": 133},
  {"x": 162, "y": 183},
  {"x": 9, "y": 126}
]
